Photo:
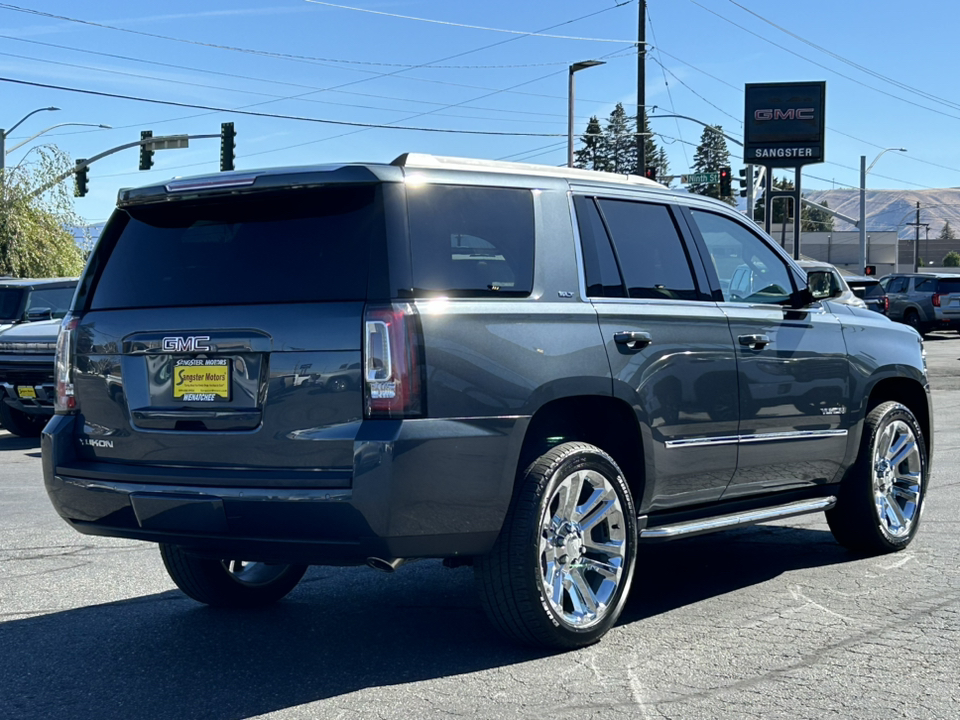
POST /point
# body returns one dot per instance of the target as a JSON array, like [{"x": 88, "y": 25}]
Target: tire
[
  {"x": 560, "y": 571},
  {"x": 912, "y": 318},
  {"x": 881, "y": 498},
  {"x": 19, "y": 422},
  {"x": 229, "y": 583}
]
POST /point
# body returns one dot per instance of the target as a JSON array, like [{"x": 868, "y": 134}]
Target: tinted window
[
  {"x": 296, "y": 246},
  {"x": 897, "y": 285},
  {"x": 949, "y": 285},
  {"x": 600, "y": 265},
  {"x": 926, "y": 285},
  {"x": 471, "y": 241},
  {"x": 57, "y": 299},
  {"x": 748, "y": 270},
  {"x": 651, "y": 253},
  {"x": 10, "y": 299}
]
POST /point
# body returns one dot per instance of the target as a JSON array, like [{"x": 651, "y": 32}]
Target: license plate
[
  {"x": 206, "y": 380},
  {"x": 25, "y": 391}
]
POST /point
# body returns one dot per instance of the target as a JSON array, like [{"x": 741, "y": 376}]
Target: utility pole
[
  {"x": 641, "y": 87},
  {"x": 916, "y": 241}
]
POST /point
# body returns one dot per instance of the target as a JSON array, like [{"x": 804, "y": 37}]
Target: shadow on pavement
[
  {"x": 342, "y": 630},
  {"x": 9, "y": 441}
]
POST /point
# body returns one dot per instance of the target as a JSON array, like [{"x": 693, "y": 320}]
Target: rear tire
[
  {"x": 912, "y": 318},
  {"x": 229, "y": 583},
  {"x": 560, "y": 571},
  {"x": 19, "y": 422},
  {"x": 881, "y": 498}
]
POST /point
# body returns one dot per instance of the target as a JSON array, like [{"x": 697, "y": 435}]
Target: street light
[
  {"x": 34, "y": 137},
  {"x": 4, "y": 133},
  {"x": 863, "y": 202},
  {"x": 576, "y": 67}
]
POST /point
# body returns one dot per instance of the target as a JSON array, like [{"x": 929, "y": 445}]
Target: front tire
[
  {"x": 881, "y": 498},
  {"x": 559, "y": 574},
  {"x": 20, "y": 423},
  {"x": 229, "y": 583}
]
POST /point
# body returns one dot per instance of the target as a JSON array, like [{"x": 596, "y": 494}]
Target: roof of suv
[
  {"x": 308, "y": 174},
  {"x": 35, "y": 282}
]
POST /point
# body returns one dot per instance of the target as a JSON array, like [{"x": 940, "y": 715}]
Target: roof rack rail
[{"x": 440, "y": 162}]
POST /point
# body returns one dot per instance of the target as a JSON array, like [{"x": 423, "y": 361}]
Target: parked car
[
  {"x": 26, "y": 299},
  {"x": 925, "y": 301},
  {"x": 868, "y": 289},
  {"x": 26, "y": 376},
  {"x": 838, "y": 286},
  {"x": 552, "y": 367}
]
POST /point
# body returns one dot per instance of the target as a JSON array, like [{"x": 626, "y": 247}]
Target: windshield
[{"x": 10, "y": 299}]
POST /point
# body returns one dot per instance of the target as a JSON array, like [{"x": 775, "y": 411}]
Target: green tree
[
  {"x": 712, "y": 154},
  {"x": 816, "y": 220},
  {"x": 811, "y": 219},
  {"x": 947, "y": 234},
  {"x": 951, "y": 259},
  {"x": 621, "y": 142},
  {"x": 35, "y": 236},
  {"x": 592, "y": 153}
]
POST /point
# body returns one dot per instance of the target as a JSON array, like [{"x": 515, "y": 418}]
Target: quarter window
[{"x": 748, "y": 270}]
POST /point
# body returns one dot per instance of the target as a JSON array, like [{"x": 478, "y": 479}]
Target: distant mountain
[{"x": 893, "y": 209}]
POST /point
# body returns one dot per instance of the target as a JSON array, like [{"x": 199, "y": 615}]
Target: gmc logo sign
[
  {"x": 195, "y": 343},
  {"x": 788, "y": 114}
]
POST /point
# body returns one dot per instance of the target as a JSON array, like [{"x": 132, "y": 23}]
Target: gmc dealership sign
[{"x": 784, "y": 123}]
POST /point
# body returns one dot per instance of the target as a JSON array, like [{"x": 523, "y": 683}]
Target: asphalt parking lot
[{"x": 774, "y": 621}]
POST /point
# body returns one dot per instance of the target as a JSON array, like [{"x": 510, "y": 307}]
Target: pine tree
[
  {"x": 621, "y": 144},
  {"x": 663, "y": 166},
  {"x": 592, "y": 154},
  {"x": 712, "y": 154},
  {"x": 816, "y": 220},
  {"x": 811, "y": 219},
  {"x": 651, "y": 153},
  {"x": 947, "y": 232}
]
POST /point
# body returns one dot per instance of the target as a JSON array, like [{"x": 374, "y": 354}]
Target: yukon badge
[
  {"x": 194, "y": 343},
  {"x": 96, "y": 442}
]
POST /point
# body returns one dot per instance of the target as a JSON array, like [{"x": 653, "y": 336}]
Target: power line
[
  {"x": 477, "y": 27},
  {"x": 653, "y": 32},
  {"x": 278, "y": 116}
]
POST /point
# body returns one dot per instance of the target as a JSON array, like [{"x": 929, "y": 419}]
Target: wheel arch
[{"x": 604, "y": 421}]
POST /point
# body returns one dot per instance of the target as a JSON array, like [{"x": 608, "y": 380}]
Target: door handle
[
  {"x": 755, "y": 342},
  {"x": 633, "y": 339}
]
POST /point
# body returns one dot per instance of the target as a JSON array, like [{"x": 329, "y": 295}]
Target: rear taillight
[
  {"x": 936, "y": 299},
  {"x": 66, "y": 400},
  {"x": 886, "y": 304},
  {"x": 392, "y": 362}
]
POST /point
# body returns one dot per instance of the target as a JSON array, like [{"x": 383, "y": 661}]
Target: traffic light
[
  {"x": 228, "y": 146},
  {"x": 725, "y": 182},
  {"x": 870, "y": 270},
  {"x": 80, "y": 179},
  {"x": 650, "y": 173},
  {"x": 743, "y": 182},
  {"x": 146, "y": 152}
]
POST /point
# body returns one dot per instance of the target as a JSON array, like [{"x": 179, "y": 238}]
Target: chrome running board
[{"x": 740, "y": 519}]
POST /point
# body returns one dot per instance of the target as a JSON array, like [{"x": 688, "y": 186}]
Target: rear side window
[
  {"x": 927, "y": 285},
  {"x": 294, "y": 246},
  {"x": 651, "y": 254},
  {"x": 471, "y": 241}
]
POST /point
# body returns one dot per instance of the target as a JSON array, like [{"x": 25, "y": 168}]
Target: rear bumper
[{"x": 412, "y": 494}]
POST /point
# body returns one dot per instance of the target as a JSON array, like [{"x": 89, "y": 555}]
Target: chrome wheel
[
  {"x": 582, "y": 548},
  {"x": 897, "y": 478},
  {"x": 253, "y": 574}
]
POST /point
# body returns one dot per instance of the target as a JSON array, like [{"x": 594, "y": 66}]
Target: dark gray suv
[
  {"x": 925, "y": 301},
  {"x": 526, "y": 369}
]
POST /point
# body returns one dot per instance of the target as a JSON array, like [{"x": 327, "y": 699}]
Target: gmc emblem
[
  {"x": 194, "y": 343},
  {"x": 788, "y": 114}
]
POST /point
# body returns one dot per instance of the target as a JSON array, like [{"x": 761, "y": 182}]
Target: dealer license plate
[
  {"x": 25, "y": 391},
  {"x": 201, "y": 380}
]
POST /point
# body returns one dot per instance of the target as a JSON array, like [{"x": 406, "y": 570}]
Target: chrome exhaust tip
[{"x": 387, "y": 566}]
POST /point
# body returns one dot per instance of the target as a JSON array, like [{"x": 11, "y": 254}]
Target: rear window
[
  {"x": 471, "y": 241},
  {"x": 949, "y": 285},
  {"x": 295, "y": 246}
]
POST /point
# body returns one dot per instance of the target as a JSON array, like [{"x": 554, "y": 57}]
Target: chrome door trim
[{"x": 759, "y": 437}]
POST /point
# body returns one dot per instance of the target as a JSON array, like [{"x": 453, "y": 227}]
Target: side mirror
[
  {"x": 820, "y": 286},
  {"x": 39, "y": 313}
]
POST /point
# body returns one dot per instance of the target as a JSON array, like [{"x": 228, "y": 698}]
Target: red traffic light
[
  {"x": 870, "y": 270},
  {"x": 650, "y": 173}
]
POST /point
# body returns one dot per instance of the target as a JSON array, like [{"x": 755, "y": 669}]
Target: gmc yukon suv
[{"x": 541, "y": 370}]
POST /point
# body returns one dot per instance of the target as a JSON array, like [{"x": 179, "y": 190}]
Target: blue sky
[{"x": 889, "y": 68}]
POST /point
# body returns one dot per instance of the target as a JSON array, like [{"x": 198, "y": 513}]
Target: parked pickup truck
[{"x": 26, "y": 376}]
